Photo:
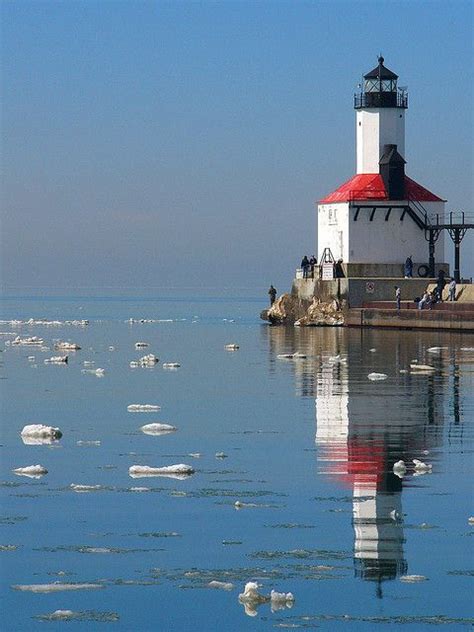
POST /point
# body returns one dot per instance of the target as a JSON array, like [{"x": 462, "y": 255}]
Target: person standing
[
  {"x": 398, "y": 297},
  {"x": 305, "y": 266},
  {"x": 440, "y": 284},
  {"x": 452, "y": 290},
  {"x": 312, "y": 263},
  {"x": 408, "y": 268},
  {"x": 272, "y": 294}
]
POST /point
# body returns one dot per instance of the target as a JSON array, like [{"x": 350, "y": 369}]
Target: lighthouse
[{"x": 377, "y": 218}]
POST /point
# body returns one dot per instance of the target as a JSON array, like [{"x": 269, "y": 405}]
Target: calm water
[{"x": 323, "y": 514}]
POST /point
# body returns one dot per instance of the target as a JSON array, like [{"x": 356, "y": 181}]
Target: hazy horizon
[{"x": 153, "y": 144}]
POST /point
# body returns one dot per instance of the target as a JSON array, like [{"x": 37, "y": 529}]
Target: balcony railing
[{"x": 381, "y": 99}]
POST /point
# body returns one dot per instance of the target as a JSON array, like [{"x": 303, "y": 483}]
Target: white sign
[{"x": 328, "y": 272}]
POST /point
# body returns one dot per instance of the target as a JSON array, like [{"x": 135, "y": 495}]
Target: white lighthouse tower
[{"x": 375, "y": 220}]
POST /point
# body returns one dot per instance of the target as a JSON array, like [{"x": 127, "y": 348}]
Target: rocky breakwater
[{"x": 291, "y": 310}]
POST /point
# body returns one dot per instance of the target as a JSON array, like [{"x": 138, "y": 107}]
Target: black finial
[{"x": 381, "y": 59}]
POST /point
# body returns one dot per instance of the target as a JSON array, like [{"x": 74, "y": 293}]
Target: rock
[{"x": 288, "y": 309}]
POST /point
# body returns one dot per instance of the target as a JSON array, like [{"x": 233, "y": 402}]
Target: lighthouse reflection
[{"x": 363, "y": 428}]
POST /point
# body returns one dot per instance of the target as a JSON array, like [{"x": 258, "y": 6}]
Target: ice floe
[
  {"x": 81, "y": 489},
  {"x": 377, "y": 377},
  {"x": 251, "y": 599},
  {"x": 221, "y": 455},
  {"x": 86, "y": 615},
  {"x": 179, "y": 471},
  {"x": 32, "y": 471},
  {"x": 32, "y": 341},
  {"x": 291, "y": 356},
  {"x": 97, "y": 372},
  {"x": 471, "y": 520},
  {"x": 411, "y": 579},
  {"x": 157, "y": 429},
  {"x": 39, "y": 433},
  {"x": 399, "y": 468},
  {"x": 222, "y": 585},
  {"x": 148, "y": 361},
  {"x": 171, "y": 365},
  {"x": 68, "y": 346},
  {"x": 421, "y": 467},
  {"x": 141, "y": 345},
  {"x": 436, "y": 349},
  {"x": 55, "y": 587},
  {"x": 422, "y": 368},
  {"x": 43, "y": 322},
  {"x": 143, "y": 408},
  {"x": 232, "y": 346},
  {"x": 57, "y": 360},
  {"x": 87, "y": 443}
]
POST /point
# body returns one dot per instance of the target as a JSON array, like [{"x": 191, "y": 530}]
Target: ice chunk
[
  {"x": 30, "y": 341},
  {"x": 179, "y": 471},
  {"x": 399, "y": 467},
  {"x": 56, "y": 360},
  {"x": 68, "y": 346},
  {"x": 279, "y": 601},
  {"x": 422, "y": 467},
  {"x": 222, "y": 585},
  {"x": 143, "y": 408},
  {"x": 85, "y": 488},
  {"x": 171, "y": 365},
  {"x": 425, "y": 368},
  {"x": 412, "y": 578},
  {"x": 147, "y": 360},
  {"x": 97, "y": 372},
  {"x": 31, "y": 358},
  {"x": 467, "y": 349},
  {"x": 40, "y": 433},
  {"x": 291, "y": 356},
  {"x": 55, "y": 587},
  {"x": 471, "y": 520},
  {"x": 373, "y": 350},
  {"x": 157, "y": 429},
  {"x": 232, "y": 346},
  {"x": 87, "y": 443},
  {"x": 32, "y": 471},
  {"x": 221, "y": 455},
  {"x": 141, "y": 345},
  {"x": 436, "y": 349},
  {"x": 377, "y": 377}
]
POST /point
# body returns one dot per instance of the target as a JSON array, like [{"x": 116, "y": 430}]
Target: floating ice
[
  {"x": 195, "y": 455},
  {"x": 56, "y": 360},
  {"x": 399, "y": 467},
  {"x": 146, "y": 361},
  {"x": 467, "y": 349},
  {"x": 43, "y": 321},
  {"x": 87, "y": 443},
  {"x": 376, "y": 377},
  {"x": 232, "y": 346},
  {"x": 221, "y": 455},
  {"x": 140, "y": 489},
  {"x": 111, "y": 348},
  {"x": 421, "y": 467},
  {"x": 222, "y": 585},
  {"x": 291, "y": 356},
  {"x": 436, "y": 349},
  {"x": 31, "y": 358},
  {"x": 141, "y": 345},
  {"x": 171, "y": 365},
  {"x": 471, "y": 520},
  {"x": 157, "y": 429},
  {"x": 251, "y": 599},
  {"x": 150, "y": 320},
  {"x": 39, "y": 433},
  {"x": 97, "y": 372},
  {"x": 31, "y": 341},
  {"x": 69, "y": 346},
  {"x": 32, "y": 471},
  {"x": 373, "y": 350},
  {"x": 88, "y": 363},
  {"x": 143, "y": 408},
  {"x": 179, "y": 471},
  {"x": 55, "y": 587},
  {"x": 412, "y": 578},
  {"x": 425, "y": 368},
  {"x": 85, "y": 488}
]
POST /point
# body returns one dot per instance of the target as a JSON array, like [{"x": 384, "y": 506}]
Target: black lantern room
[{"x": 380, "y": 90}]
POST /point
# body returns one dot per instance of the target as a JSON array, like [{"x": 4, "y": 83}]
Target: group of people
[
  {"x": 430, "y": 298},
  {"x": 307, "y": 265}
]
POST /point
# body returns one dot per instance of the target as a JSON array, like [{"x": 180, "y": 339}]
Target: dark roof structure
[{"x": 381, "y": 72}]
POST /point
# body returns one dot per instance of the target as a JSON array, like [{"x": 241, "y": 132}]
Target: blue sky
[{"x": 184, "y": 144}]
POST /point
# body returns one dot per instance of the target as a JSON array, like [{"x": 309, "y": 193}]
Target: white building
[{"x": 379, "y": 215}]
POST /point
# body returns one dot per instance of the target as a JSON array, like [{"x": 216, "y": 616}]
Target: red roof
[{"x": 370, "y": 186}]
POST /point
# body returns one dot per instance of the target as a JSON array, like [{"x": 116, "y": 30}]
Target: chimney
[{"x": 392, "y": 170}]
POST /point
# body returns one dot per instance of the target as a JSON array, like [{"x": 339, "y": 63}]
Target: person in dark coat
[
  {"x": 440, "y": 284},
  {"x": 408, "y": 268},
  {"x": 305, "y": 266},
  {"x": 312, "y": 263},
  {"x": 272, "y": 294}
]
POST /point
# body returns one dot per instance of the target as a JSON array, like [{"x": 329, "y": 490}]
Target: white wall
[
  {"x": 374, "y": 129},
  {"x": 390, "y": 241},
  {"x": 333, "y": 230}
]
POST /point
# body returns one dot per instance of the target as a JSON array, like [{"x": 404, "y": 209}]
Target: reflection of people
[
  {"x": 312, "y": 263},
  {"x": 338, "y": 269},
  {"x": 398, "y": 297},
  {"x": 305, "y": 266},
  {"x": 452, "y": 290},
  {"x": 408, "y": 268},
  {"x": 272, "y": 294}
]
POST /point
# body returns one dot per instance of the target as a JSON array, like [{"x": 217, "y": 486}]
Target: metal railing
[{"x": 380, "y": 99}]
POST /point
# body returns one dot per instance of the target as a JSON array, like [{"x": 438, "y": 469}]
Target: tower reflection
[{"x": 363, "y": 428}]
